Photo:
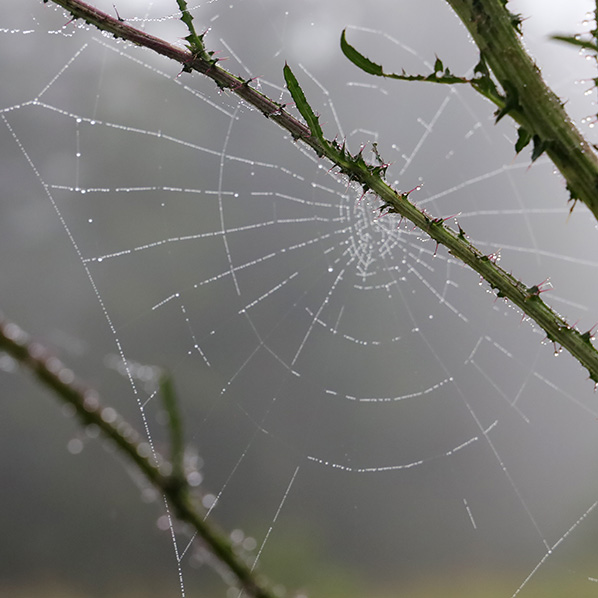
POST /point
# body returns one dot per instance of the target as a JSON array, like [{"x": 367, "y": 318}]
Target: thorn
[
  {"x": 537, "y": 289},
  {"x": 590, "y": 334},
  {"x": 451, "y": 217},
  {"x": 362, "y": 196},
  {"x": 117, "y": 15},
  {"x": 412, "y": 190}
]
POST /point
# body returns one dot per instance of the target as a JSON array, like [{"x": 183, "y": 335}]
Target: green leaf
[
  {"x": 481, "y": 69},
  {"x": 358, "y": 59},
  {"x": 523, "y": 138},
  {"x": 570, "y": 39},
  {"x": 195, "y": 41},
  {"x": 365, "y": 64},
  {"x": 175, "y": 425},
  {"x": 304, "y": 108},
  {"x": 511, "y": 101}
]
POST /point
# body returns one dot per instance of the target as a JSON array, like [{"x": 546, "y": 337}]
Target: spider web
[{"x": 367, "y": 418}]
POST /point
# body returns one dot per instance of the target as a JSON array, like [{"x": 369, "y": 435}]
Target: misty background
[{"x": 271, "y": 397}]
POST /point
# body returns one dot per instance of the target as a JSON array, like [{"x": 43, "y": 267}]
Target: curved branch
[
  {"x": 167, "y": 479},
  {"x": 371, "y": 177}
]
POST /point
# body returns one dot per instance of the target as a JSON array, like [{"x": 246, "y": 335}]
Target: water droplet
[
  {"x": 163, "y": 523},
  {"x": 208, "y": 501},
  {"x": 237, "y": 536},
  {"x": 194, "y": 478},
  {"x": 74, "y": 446}
]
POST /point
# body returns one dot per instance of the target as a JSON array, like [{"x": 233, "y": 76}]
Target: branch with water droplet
[
  {"x": 369, "y": 176},
  {"x": 167, "y": 478}
]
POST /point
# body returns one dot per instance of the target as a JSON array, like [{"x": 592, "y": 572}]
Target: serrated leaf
[
  {"x": 358, "y": 59},
  {"x": 365, "y": 64},
  {"x": 523, "y": 138},
  {"x": 302, "y": 105},
  {"x": 486, "y": 87},
  {"x": 195, "y": 41}
]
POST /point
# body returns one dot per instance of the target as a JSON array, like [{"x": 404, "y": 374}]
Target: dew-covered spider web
[{"x": 363, "y": 415}]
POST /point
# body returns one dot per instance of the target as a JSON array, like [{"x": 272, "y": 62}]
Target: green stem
[
  {"x": 495, "y": 31},
  {"x": 195, "y": 41},
  {"x": 175, "y": 425}
]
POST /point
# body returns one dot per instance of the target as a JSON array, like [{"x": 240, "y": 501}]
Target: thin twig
[{"x": 173, "y": 485}]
